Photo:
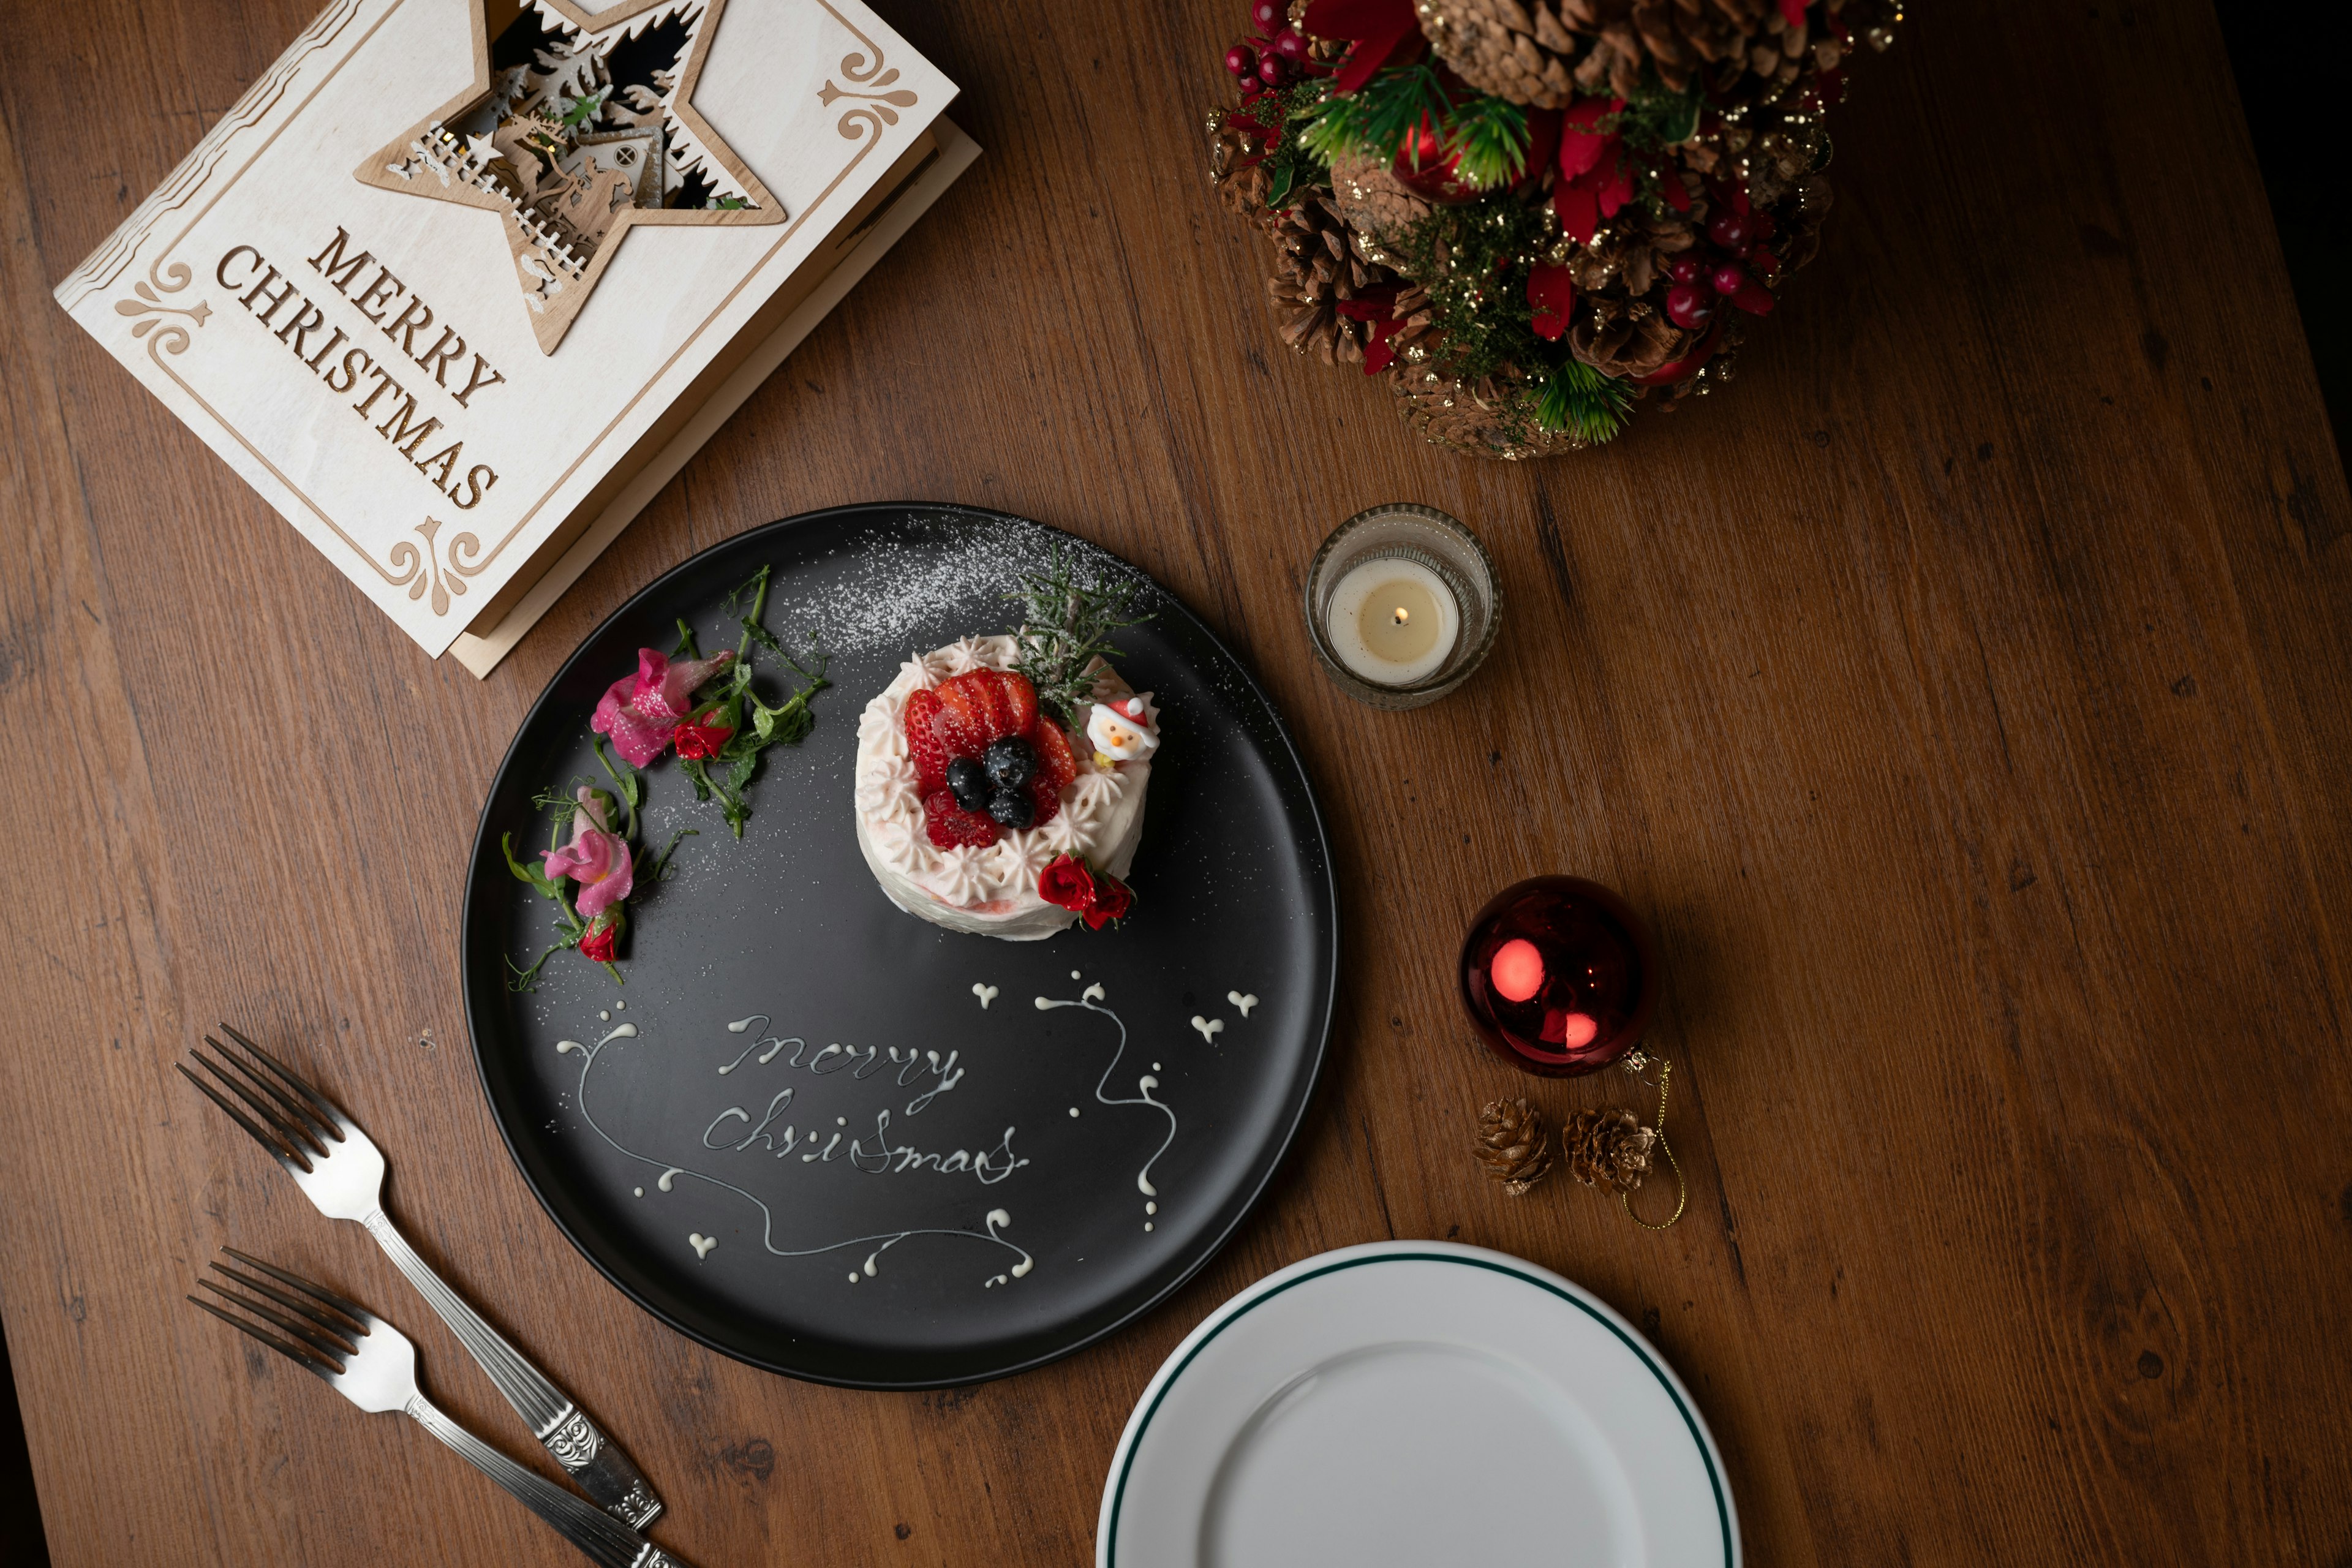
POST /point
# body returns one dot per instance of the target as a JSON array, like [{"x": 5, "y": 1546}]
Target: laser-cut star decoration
[{"x": 578, "y": 126}]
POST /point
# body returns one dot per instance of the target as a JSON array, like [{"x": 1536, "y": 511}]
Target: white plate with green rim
[{"x": 1415, "y": 1403}]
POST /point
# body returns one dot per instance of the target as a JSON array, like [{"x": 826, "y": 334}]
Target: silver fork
[
  {"x": 341, "y": 1171},
  {"x": 372, "y": 1364}
]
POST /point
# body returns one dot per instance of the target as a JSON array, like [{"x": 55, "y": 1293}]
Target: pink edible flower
[
  {"x": 597, "y": 858},
  {"x": 642, "y": 711}
]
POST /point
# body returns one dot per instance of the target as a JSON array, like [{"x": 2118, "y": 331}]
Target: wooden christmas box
[{"x": 459, "y": 284}]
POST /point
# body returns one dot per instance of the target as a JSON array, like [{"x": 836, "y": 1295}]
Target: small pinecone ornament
[
  {"x": 1608, "y": 1149},
  {"x": 1513, "y": 1145}
]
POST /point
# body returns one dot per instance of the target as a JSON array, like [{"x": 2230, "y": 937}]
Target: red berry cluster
[
  {"x": 1704, "y": 279},
  {"x": 1275, "y": 57},
  {"x": 959, "y": 718}
]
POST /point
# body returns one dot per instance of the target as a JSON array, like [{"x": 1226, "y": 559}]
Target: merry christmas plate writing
[{"x": 816, "y": 1133}]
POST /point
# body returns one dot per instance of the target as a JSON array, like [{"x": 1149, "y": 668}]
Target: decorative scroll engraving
[
  {"x": 173, "y": 338},
  {"x": 574, "y": 1443},
  {"x": 430, "y": 574},
  {"x": 878, "y": 108}
]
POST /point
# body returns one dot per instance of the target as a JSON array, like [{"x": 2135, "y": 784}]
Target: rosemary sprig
[{"x": 1067, "y": 624}]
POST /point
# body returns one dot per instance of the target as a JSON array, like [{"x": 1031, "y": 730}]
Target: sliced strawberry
[
  {"x": 1046, "y": 798},
  {"x": 964, "y": 722},
  {"x": 1022, "y": 697},
  {"x": 1056, "y": 765},
  {"x": 930, "y": 757},
  {"x": 951, "y": 826}
]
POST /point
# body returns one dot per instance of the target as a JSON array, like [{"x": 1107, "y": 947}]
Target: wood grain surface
[{"x": 1965, "y": 693}]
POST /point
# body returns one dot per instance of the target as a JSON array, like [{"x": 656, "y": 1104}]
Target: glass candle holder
[
  {"x": 1402, "y": 605},
  {"x": 1559, "y": 976}
]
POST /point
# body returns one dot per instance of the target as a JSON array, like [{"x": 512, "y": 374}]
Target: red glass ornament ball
[
  {"x": 1265, "y": 14},
  {"x": 1559, "y": 976},
  {"x": 1241, "y": 61}
]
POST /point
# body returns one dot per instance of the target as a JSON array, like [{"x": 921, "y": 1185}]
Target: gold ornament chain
[{"x": 1682, "y": 1188}]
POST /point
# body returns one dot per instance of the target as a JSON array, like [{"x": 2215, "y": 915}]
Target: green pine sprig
[
  {"x": 1067, "y": 624},
  {"x": 1382, "y": 117}
]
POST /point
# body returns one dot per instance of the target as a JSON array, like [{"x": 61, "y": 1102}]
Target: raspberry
[
  {"x": 951, "y": 826},
  {"x": 930, "y": 757}
]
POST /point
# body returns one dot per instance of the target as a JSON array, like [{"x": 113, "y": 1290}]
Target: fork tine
[
  {"x": 335, "y": 1350},
  {"x": 285, "y": 1155},
  {"x": 359, "y": 1315},
  {"x": 319, "y": 1102},
  {"x": 350, "y": 1334},
  {"x": 298, "y": 1137},
  {"x": 302, "y": 1358},
  {"x": 288, "y": 1110}
]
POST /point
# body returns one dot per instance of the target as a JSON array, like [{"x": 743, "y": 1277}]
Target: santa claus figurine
[{"x": 1124, "y": 730}]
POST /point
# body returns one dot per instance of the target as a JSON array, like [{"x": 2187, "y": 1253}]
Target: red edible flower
[
  {"x": 601, "y": 939},
  {"x": 700, "y": 738},
  {"x": 1112, "y": 899},
  {"x": 1068, "y": 884}
]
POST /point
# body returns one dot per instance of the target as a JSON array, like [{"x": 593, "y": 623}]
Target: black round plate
[{"x": 859, "y": 1178}]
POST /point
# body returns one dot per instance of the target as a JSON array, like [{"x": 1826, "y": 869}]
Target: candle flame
[{"x": 1402, "y": 616}]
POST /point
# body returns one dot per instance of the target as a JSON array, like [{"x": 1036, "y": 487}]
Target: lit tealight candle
[{"x": 1392, "y": 622}]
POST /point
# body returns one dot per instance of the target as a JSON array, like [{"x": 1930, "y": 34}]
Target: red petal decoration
[
  {"x": 1552, "y": 293},
  {"x": 1580, "y": 215},
  {"x": 1754, "y": 299},
  {"x": 1618, "y": 188},
  {"x": 1793, "y": 12},
  {"x": 1378, "y": 27},
  {"x": 1580, "y": 145}
]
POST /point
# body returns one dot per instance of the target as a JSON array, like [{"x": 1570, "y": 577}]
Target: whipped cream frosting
[{"x": 991, "y": 891}]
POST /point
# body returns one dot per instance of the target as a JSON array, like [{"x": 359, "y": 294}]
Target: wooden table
[{"x": 1963, "y": 694}]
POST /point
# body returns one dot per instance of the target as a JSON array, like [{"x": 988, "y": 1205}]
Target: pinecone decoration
[
  {"x": 1608, "y": 1149},
  {"x": 1513, "y": 51},
  {"x": 1373, "y": 203},
  {"x": 1316, "y": 267},
  {"x": 1513, "y": 1145}
]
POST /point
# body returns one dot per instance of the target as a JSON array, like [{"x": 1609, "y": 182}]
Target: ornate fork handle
[
  {"x": 603, "y": 1541},
  {"x": 593, "y": 1460}
]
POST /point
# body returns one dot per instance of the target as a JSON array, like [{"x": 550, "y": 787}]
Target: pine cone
[
  {"x": 1543, "y": 53},
  {"x": 1492, "y": 418},
  {"x": 1315, "y": 268},
  {"x": 1513, "y": 1145},
  {"x": 1513, "y": 51},
  {"x": 1608, "y": 1149},
  {"x": 1370, "y": 201},
  {"x": 1626, "y": 341}
]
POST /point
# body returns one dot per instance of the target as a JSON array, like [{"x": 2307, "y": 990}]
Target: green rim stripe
[{"x": 1715, "y": 1480}]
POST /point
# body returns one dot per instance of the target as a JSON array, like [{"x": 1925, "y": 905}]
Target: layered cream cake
[{"x": 968, "y": 792}]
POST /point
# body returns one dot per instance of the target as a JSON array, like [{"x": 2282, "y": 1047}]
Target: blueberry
[
  {"x": 1012, "y": 808},
  {"x": 1011, "y": 763},
  {"x": 968, "y": 781}
]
